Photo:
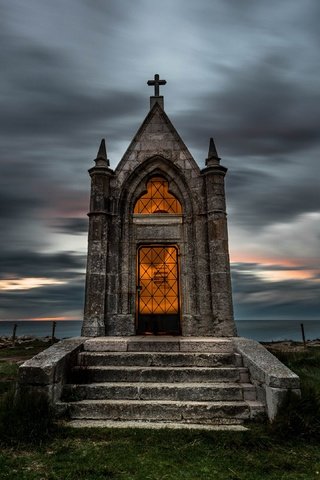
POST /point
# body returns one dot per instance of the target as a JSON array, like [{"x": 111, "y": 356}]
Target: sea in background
[
  {"x": 261, "y": 330},
  {"x": 38, "y": 328}
]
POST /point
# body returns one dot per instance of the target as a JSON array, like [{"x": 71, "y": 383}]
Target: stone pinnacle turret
[
  {"x": 213, "y": 158},
  {"x": 102, "y": 159}
]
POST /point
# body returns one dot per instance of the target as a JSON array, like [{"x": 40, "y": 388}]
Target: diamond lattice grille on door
[{"x": 158, "y": 280}]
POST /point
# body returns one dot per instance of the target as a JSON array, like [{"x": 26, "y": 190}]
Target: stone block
[
  {"x": 219, "y": 261},
  {"x": 36, "y": 390},
  {"x": 249, "y": 392},
  {"x": 149, "y": 391},
  {"x": 159, "y": 233},
  {"x": 105, "y": 344},
  {"x": 257, "y": 410},
  {"x": 93, "y": 325},
  {"x": 204, "y": 345},
  {"x": 155, "y": 359},
  {"x": 160, "y": 374},
  {"x": 274, "y": 398},
  {"x": 261, "y": 393},
  {"x": 238, "y": 360},
  {"x": 49, "y": 366},
  {"x": 271, "y": 378},
  {"x": 35, "y": 374},
  {"x": 220, "y": 282},
  {"x": 244, "y": 376},
  {"x": 47, "y": 372},
  {"x": 153, "y": 345},
  {"x": 265, "y": 367},
  {"x": 97, "y": 263},
  {"x": 120, "y": 325},
  {"x": 201, "y": 412}
]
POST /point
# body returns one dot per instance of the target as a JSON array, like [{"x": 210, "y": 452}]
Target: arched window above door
[{"x": 157, "y": 199}]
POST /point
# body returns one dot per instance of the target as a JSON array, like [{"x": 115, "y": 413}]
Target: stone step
[
  {"x": 159, "y": 344},
  {"x": 158, "y": 374},
  {"x": 156, "y": 359},
  {"x": 155, "y": 410},
  {"x": 229, "y": 427},
  {"x": 162, "y": 391}
]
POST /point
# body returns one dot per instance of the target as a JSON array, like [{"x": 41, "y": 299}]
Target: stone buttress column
[
  {"x": 219, "y": 263},
  {"x": 99, "y": 218}
]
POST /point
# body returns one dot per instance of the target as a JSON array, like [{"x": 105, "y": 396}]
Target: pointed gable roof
[{"x": 157, "y": 136}]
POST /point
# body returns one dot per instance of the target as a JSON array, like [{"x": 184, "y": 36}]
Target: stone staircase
[{"x": 160, "y": 381}]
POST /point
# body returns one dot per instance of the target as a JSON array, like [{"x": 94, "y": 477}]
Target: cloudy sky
[{"x": 243, "y": 71}]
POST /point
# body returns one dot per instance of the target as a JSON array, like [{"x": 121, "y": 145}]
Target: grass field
[{"x": 286, "y": 451}]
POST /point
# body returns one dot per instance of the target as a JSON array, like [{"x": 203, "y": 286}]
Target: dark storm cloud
[
  {"x": 31, "y": 200},
  {"x": 47, "y": 301},
  {"x": 13, "y": 205},
  {"x": 259, "y": 198},
  {"x": 49, "y": 101},
  {"x": 72, "y": 112},
  {"x": 48, "y": 96},
  {"x": 265, "y": 123},
  {"x": 32, "y": 264},
  {"x": 258, "y": 111},
  {"x": 72, "y": 226},
  {"x": 255, "y": 298},
  {"x": 244, "y": 267}
]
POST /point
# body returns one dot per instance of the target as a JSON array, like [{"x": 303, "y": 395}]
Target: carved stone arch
[{"x": 135, "y": 185}]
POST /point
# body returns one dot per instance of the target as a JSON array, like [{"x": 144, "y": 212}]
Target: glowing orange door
[{"x": 158, "y": 290}]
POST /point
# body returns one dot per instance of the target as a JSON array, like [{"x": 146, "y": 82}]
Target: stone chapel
[
  {"x": 158, "y": 260},
  {"x": 158, "y": 297}
]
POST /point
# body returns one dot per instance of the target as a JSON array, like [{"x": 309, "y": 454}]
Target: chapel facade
[{"x": 158, "y": 259}]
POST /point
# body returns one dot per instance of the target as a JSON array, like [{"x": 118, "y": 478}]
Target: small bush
[
  {"x": 299, "y": 417},
  {"x": 25, "y": 418}
]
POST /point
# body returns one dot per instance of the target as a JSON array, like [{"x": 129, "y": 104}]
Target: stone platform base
[{"x": 157, "y": 382}]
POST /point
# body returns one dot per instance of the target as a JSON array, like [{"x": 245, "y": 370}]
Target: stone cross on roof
[{"x": 156, "y": 83}]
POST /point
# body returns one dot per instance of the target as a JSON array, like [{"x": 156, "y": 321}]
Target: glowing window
[{"x": 158, "y": 199}]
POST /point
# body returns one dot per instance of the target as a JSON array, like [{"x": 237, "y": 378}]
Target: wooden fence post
[
  {"x": 53, "y": 331},
  {"x": 303, "y": 336}
]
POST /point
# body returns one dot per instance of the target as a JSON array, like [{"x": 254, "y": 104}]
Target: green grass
[
  {"x": 9, "y": 368},
  {"x": 154, "y": 455},
  {"x": 306, "y": 364},
  {"x": 299, "y": 417},
  {"x": 25, "y": 349},
  {"x": 8, "y": 374},
  {"x": 262, "y": 453}
]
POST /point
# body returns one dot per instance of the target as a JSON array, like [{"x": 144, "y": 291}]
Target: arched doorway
[{"x": 158, "y": 292}]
